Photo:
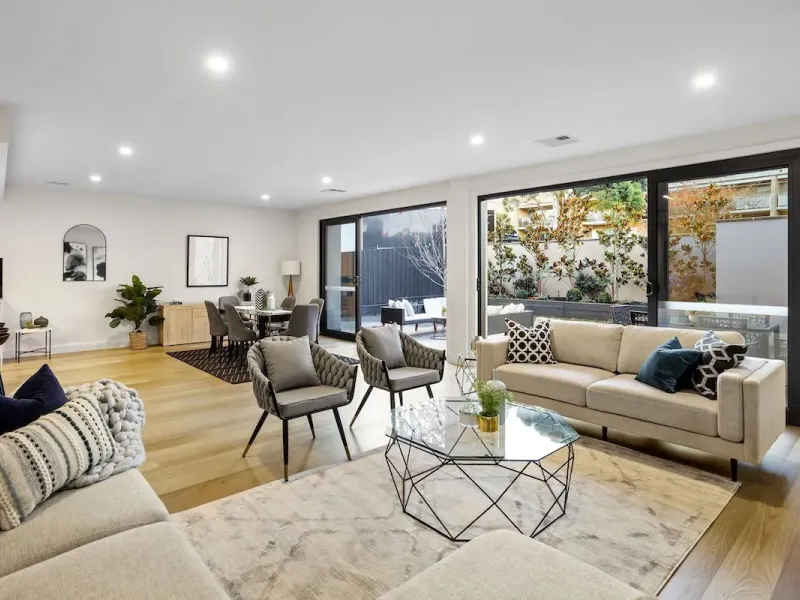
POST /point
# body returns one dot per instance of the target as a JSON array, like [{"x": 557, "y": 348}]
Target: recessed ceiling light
[
  {"x": 265, "y": 196},
  {"x": 218, "y": 64},
  {"x": 125, "y": 150},
  {"x": 476, "y": 139},
  {"x": 326, "y": 180},
  {"x": 95, "y": 178},
  {"x": 704, "y": 80}
]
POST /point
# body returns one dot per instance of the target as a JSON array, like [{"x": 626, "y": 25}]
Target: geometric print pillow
[
  {"x": 529, "y": 344},
  {"x": 718, "y": 357}
]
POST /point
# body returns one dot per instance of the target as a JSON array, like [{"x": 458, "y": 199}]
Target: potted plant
[
  {"x": 492, "y": 397},
  {"x": 248, "y": 282},
  {"x": 138, "y": 305}
]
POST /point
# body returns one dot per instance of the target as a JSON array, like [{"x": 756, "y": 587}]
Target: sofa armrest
[
  {"x": 764, "y": 403},
  {"x": 393, "y": 315},
  {"x": 490, "y": 353}
]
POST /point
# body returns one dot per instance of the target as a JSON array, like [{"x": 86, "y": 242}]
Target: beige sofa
[
  {"x": 594, "y": 382},
  {"x": 109, "y": 540}
]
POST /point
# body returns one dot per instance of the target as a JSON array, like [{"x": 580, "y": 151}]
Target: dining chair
[
  {"x": 303, "y": 321},
  {"x": 235, "y": 301},
  {"x": 321, "y": 303},
  {"x": 288, "y": 303},
  {"x": 217, "y": 326},
  {"x": 240, "y": 336},
  {"x": 423, "y": 366},
  {"x": 337, "y": 387}
]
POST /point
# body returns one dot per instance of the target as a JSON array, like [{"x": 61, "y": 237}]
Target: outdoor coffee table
[{"x": 526, "y": 437}]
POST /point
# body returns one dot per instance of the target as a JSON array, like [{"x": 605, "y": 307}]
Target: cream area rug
[{"x": 340, "y": 532}]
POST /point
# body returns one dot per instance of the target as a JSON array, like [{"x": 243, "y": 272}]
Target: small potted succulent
[
  {"x": 492, "y": 398},
  {"x": 248, "y": 282}
]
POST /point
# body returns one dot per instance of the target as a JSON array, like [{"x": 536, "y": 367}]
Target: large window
[{"x": 575, "y": 252}]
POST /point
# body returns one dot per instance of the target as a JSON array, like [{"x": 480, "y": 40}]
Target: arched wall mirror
[{"x": 84, "y": 254}]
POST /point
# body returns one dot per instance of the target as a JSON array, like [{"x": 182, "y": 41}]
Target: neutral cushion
[
  {"x": 504, "y": 564},
  {"x": 623, "y": 395},
  {"x": 302, "y": 401},
  {"x": 586, "y": 343},
  {"x": 406, "y": 378},
  {"x": 289, "y": 363},
  {"x": 39, "y": 459},
  {"x": 384, "y": 344},
  {"x": 153, "y": 562},
  {"x": 73, "y": 518},
  {"x": 407, "y": 307},
  {"x": 562, "y": 381},
  {"x": 638, "y": 342}
]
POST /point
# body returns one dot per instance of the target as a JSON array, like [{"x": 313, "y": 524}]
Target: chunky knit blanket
[{"x": 123, "y": 413}]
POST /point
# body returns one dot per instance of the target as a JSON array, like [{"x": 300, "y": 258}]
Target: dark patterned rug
[{"x": 218, "y": 365}]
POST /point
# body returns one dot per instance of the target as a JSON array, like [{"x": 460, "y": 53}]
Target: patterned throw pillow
[
  {"x": 45, "y": 456},
  {"x": 718, "y": 357},
  {"x": 529, "y": 344}
]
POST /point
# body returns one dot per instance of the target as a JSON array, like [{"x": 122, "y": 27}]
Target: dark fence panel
[{"x": 388, "y": 274}]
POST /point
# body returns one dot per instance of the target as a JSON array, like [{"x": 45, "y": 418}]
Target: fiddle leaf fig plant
[{"x": 138, "y": 305}]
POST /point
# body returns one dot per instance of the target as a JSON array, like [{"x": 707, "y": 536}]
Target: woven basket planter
[{"x": 138, "y": 340}]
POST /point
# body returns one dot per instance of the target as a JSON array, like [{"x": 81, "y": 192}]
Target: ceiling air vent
[
  {"x": 332, "y": 190},
  {"x": 559, "y": 140},
  {"x": 57, "y": 183}
]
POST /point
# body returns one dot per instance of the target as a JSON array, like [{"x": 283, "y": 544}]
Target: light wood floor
[{"x": 197, "y": 427}]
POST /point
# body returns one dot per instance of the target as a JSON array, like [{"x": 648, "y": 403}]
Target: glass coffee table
[{"x": 531, "y": 442}]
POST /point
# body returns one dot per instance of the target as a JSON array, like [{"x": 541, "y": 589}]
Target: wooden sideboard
[{"x": 183, "y": 324}]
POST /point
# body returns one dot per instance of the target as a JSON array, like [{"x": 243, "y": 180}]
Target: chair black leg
[
  {"x": 604, "y": 433},
  {"x": 286, "y": 450},
  {"x": 213, "y": 347},
  {"x": 311, "y": 424},
  {"x": 391, "y": 400},
  {"x": 401, "y": 398},
  {"x": 255, "y": 432},
  {"x": 341, "y": 432},
  {"x": 734, "y": 470},
  {"x": 360, "y": 406},
  {"x": 430, "y": 391}
]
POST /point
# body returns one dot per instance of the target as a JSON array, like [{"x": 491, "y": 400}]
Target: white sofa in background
[
  {"x": 594, "y": 381},
  {"x": 399, "y": 316}
]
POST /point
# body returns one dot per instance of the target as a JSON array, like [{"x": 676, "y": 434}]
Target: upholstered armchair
[
  {"x": 424, "y": 367},
  {"x": 338, "y": 385}
]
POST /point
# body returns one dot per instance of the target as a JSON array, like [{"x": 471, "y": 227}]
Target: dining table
[{"x": 264, "y": 317}]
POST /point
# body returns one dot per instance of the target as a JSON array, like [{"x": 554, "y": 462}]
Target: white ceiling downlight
[
  {"x": 95, "y": 178},
  {"x": 476, "y": 139},
  {"x": 265, "y": 197},
  {"x": 125, "y": 150},
  {"x": 218, "y": 64},
  {"x": 326, "y": 179},
  {"x": 704, "y": 80}
]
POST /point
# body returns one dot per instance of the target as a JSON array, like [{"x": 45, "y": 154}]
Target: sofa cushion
[
  {"x": 153, "y": 562},
  {"x": 289, "y": 363},
  {"x": 301, "y": 401},
  {"x": 406, "y": 378},
  {"x": 561, "y": 381},
  {"x": 669, "y": 367},
  {"x": 529, "y": 344},
  {"x": 39, "y": 395},
  {"x": 481, "y": 569},
  {"x": 585, "y": 343},
  {"x": 73, "y": 518},
  {"x": 638, "y": 342},
  {"x": 384, "y": 344},
  {"x": 623, "y": 395},
  {"x": 717, "y": 358}
]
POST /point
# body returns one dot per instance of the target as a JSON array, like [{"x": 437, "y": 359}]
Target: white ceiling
[{"x": 379, "y": 94}]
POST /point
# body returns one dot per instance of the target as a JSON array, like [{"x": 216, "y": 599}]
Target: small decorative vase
[
  {"x": 270, "y": 301},
  {"x": 25, "y": 319},
  {"x": 138, "y": 340},
  {"x": 247, "y": 296},
  {"x": 468, "y": 416},
  {"x": 488, "y": 424},
  {"x": 261, "y": 299},
  {"x": 41, "y": 322}
]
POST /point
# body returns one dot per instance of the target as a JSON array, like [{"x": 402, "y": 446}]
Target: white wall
[
  {"x": 145, "y": 236},
  {"x": 462, "y": 194}
]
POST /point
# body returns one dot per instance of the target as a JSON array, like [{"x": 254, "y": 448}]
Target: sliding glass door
[{"x": 341, "y": 249}]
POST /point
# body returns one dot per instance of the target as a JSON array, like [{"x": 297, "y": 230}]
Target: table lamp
[{"x": 290, "y": 267}]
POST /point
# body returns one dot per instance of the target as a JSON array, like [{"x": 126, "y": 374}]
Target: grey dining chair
[
  {"x": 240, "y": 337},
  {"x": 217, "y": 326},
  {"x": 303, "y": 321},
  {"x": 336, "y": 389},
  {"x": 289, "y": 303},
  {"x": 321, "y": 303},
  {"x": 234, "y": 301},
  {"x": 278, "y": 322}
]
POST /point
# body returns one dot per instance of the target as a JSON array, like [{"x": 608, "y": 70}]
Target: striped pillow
[{"x": 41, "y": 458}]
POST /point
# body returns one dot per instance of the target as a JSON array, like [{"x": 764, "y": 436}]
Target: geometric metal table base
[
  {"x": 557, "y": 482},
  {"x": 465, "y": 373}
]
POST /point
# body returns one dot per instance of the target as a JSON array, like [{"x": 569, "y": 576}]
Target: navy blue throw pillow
[
  {"x": 39, "y": 395},
  {"x": 669, "y": 368}
]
